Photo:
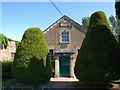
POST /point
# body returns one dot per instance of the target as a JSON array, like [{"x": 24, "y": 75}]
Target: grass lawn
[{"x": 117, "y": 81}]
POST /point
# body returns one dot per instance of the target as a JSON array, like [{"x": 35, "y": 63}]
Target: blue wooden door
[{"x": 64, "y": 66}]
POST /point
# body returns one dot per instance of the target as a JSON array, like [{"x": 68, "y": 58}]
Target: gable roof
[{"x": 78, "y": 26}]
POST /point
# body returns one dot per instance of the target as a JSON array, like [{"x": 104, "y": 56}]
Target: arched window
[{"x": 65, "y": 37}]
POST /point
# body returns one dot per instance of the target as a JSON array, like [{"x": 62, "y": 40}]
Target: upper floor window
[{"x": 65, "y": 37}]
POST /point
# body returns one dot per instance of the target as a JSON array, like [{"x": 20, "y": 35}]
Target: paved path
[
  {"x": 55, "y": 84},
  {"x": 60, "y": 85},
  {"x": 62, "y": 82}
]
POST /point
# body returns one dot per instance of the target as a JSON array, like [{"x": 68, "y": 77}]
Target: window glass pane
[
  {"x": 67, "y": 33},
  {"x": 67, "y": 39},
  {"x": 65, "y": 36},
  {"x": 62, "y": 33}
]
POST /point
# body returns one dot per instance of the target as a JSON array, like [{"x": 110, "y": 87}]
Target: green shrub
[
  {"x": 3, "y": 41},
  {"x": 31, "y": 63},
  {"x": 97, "y": 59},
  {"x": 6, "y": 70}
]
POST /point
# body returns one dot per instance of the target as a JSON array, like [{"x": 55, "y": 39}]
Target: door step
[{"x": 65, "y": 79}]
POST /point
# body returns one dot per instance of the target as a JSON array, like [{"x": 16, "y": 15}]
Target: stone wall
[
  {"x": 53, "y": 38},
  {"x": 53, "y": 35},
  {"x": 8, "y": 53}
]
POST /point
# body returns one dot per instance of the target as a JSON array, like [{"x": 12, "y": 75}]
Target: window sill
[{"x": 65, "y": 42}]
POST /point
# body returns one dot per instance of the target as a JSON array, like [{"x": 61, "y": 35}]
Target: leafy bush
[
  {"x": 31, "y": 63},
  {"x": 7, "y": 70},
  {"x": 3, "y": 41},
  {"x": 98, "y": 57}
]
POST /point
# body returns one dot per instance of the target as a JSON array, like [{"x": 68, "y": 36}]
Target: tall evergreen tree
[
  {"x": 85, "y": 22},
  {"x": 98, "y": 56},
  {"x": 117, "y": 8},
  {"x": 31, "y": 63}
]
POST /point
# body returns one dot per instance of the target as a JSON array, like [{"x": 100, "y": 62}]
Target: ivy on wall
[{"x": 3, "y": 41}]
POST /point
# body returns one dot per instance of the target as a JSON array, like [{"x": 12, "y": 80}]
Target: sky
[{"x": 19, "y": 16}]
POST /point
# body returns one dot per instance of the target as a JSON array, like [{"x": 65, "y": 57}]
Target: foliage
[
  {"x": 85, "y": 22},
  {"x": 113, "y": 22},
  {"x": 117, "y": 10},
  {"x": 3, "y": 41},
  {"x": 31, "y": 63},
  {"x": 98, "y": 58},
  {"x": 17, "y": 43},
  {"x": 117, "y": 81},
  {"x": 117, "y": 7},
  {"x": 7, "y": 70}
]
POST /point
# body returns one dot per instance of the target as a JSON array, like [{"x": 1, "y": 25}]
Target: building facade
[
  {"x": 8, "y": 52},
  {"x": 64, "y": 39}
]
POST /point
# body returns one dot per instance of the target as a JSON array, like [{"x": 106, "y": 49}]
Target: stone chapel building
[{"x": 64, "y": 39}]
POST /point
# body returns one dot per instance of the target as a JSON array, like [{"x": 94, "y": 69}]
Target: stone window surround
[{"x": 65, "y": 30}]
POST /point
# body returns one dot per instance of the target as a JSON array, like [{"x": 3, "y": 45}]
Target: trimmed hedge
[
  {"x": 31, "y": 64},
  {"x": 7, "y": 70},
  {"x": 98, "y": 58}
]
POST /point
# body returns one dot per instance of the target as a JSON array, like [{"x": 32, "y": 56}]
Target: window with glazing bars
[{"x": 65, "y": 37}]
